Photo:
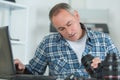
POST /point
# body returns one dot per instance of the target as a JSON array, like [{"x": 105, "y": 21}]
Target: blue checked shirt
[{"x": 55, "y": 52}]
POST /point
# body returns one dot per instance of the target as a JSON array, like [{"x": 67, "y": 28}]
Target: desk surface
[{"x": 27, "y": 77}]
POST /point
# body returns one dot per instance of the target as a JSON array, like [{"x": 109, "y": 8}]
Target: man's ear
[{"x": 76, "y": 15}]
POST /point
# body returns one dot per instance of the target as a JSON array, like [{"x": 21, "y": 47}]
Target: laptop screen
[
  {"x": 6, "y": 58},
  {"x": 7, "y": 68}
]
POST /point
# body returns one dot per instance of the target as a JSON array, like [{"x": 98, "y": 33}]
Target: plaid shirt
[{"x": 55, "y": 52}]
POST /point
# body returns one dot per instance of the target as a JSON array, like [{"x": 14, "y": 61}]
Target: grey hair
[{"x": 56, "y": 9}]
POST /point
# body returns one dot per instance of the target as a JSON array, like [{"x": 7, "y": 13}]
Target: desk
[{"x": 27, "y": 77}]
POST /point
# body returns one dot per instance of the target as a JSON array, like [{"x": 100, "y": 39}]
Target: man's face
[{"x": 68, "y": 25}]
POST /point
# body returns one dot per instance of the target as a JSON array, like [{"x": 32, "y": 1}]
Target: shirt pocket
[{"x": 60, "y": 65}]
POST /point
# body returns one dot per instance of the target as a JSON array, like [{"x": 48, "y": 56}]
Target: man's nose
[{"x": 69, "y": 31}]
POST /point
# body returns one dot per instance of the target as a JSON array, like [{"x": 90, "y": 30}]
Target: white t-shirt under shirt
[{"x": 78, "y": 46}]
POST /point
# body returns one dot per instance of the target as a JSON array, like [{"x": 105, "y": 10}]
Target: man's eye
[
  {"x": 61, "y": 29},
  {"x": 69, "y": 24}
]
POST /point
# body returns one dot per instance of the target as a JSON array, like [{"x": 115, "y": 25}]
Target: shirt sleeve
[{"x": 38, "y": 64}]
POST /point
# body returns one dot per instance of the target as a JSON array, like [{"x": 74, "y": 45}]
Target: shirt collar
[{"x": 90, "y": 35}]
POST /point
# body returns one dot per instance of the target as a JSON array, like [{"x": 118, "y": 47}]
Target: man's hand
[
  {"x": 19, "y": 66},
  {"x": 95, "y": 62}
]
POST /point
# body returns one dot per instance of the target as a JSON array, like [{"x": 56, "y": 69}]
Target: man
[{"x": 63, "y": 51}]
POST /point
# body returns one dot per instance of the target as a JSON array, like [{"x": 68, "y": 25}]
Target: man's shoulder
[
  {"x": 92, "y": 33},
  {"x": 52, "y": 37}
]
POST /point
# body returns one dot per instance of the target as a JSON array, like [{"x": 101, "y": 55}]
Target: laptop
[{"x": 7, "y": 67}]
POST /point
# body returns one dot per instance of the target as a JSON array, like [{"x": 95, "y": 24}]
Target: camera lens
[{"x": 86, "y": 61}]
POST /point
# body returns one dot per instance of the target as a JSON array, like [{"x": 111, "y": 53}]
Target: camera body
[{"x": 109, "y": 69}]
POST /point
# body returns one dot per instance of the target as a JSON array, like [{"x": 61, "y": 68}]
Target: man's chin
[{"x": 73, "y": 39}]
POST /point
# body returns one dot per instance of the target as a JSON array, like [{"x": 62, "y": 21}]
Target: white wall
[
  {"x": 114, "y": 18},
  {"x": 39, "y": 21}
]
